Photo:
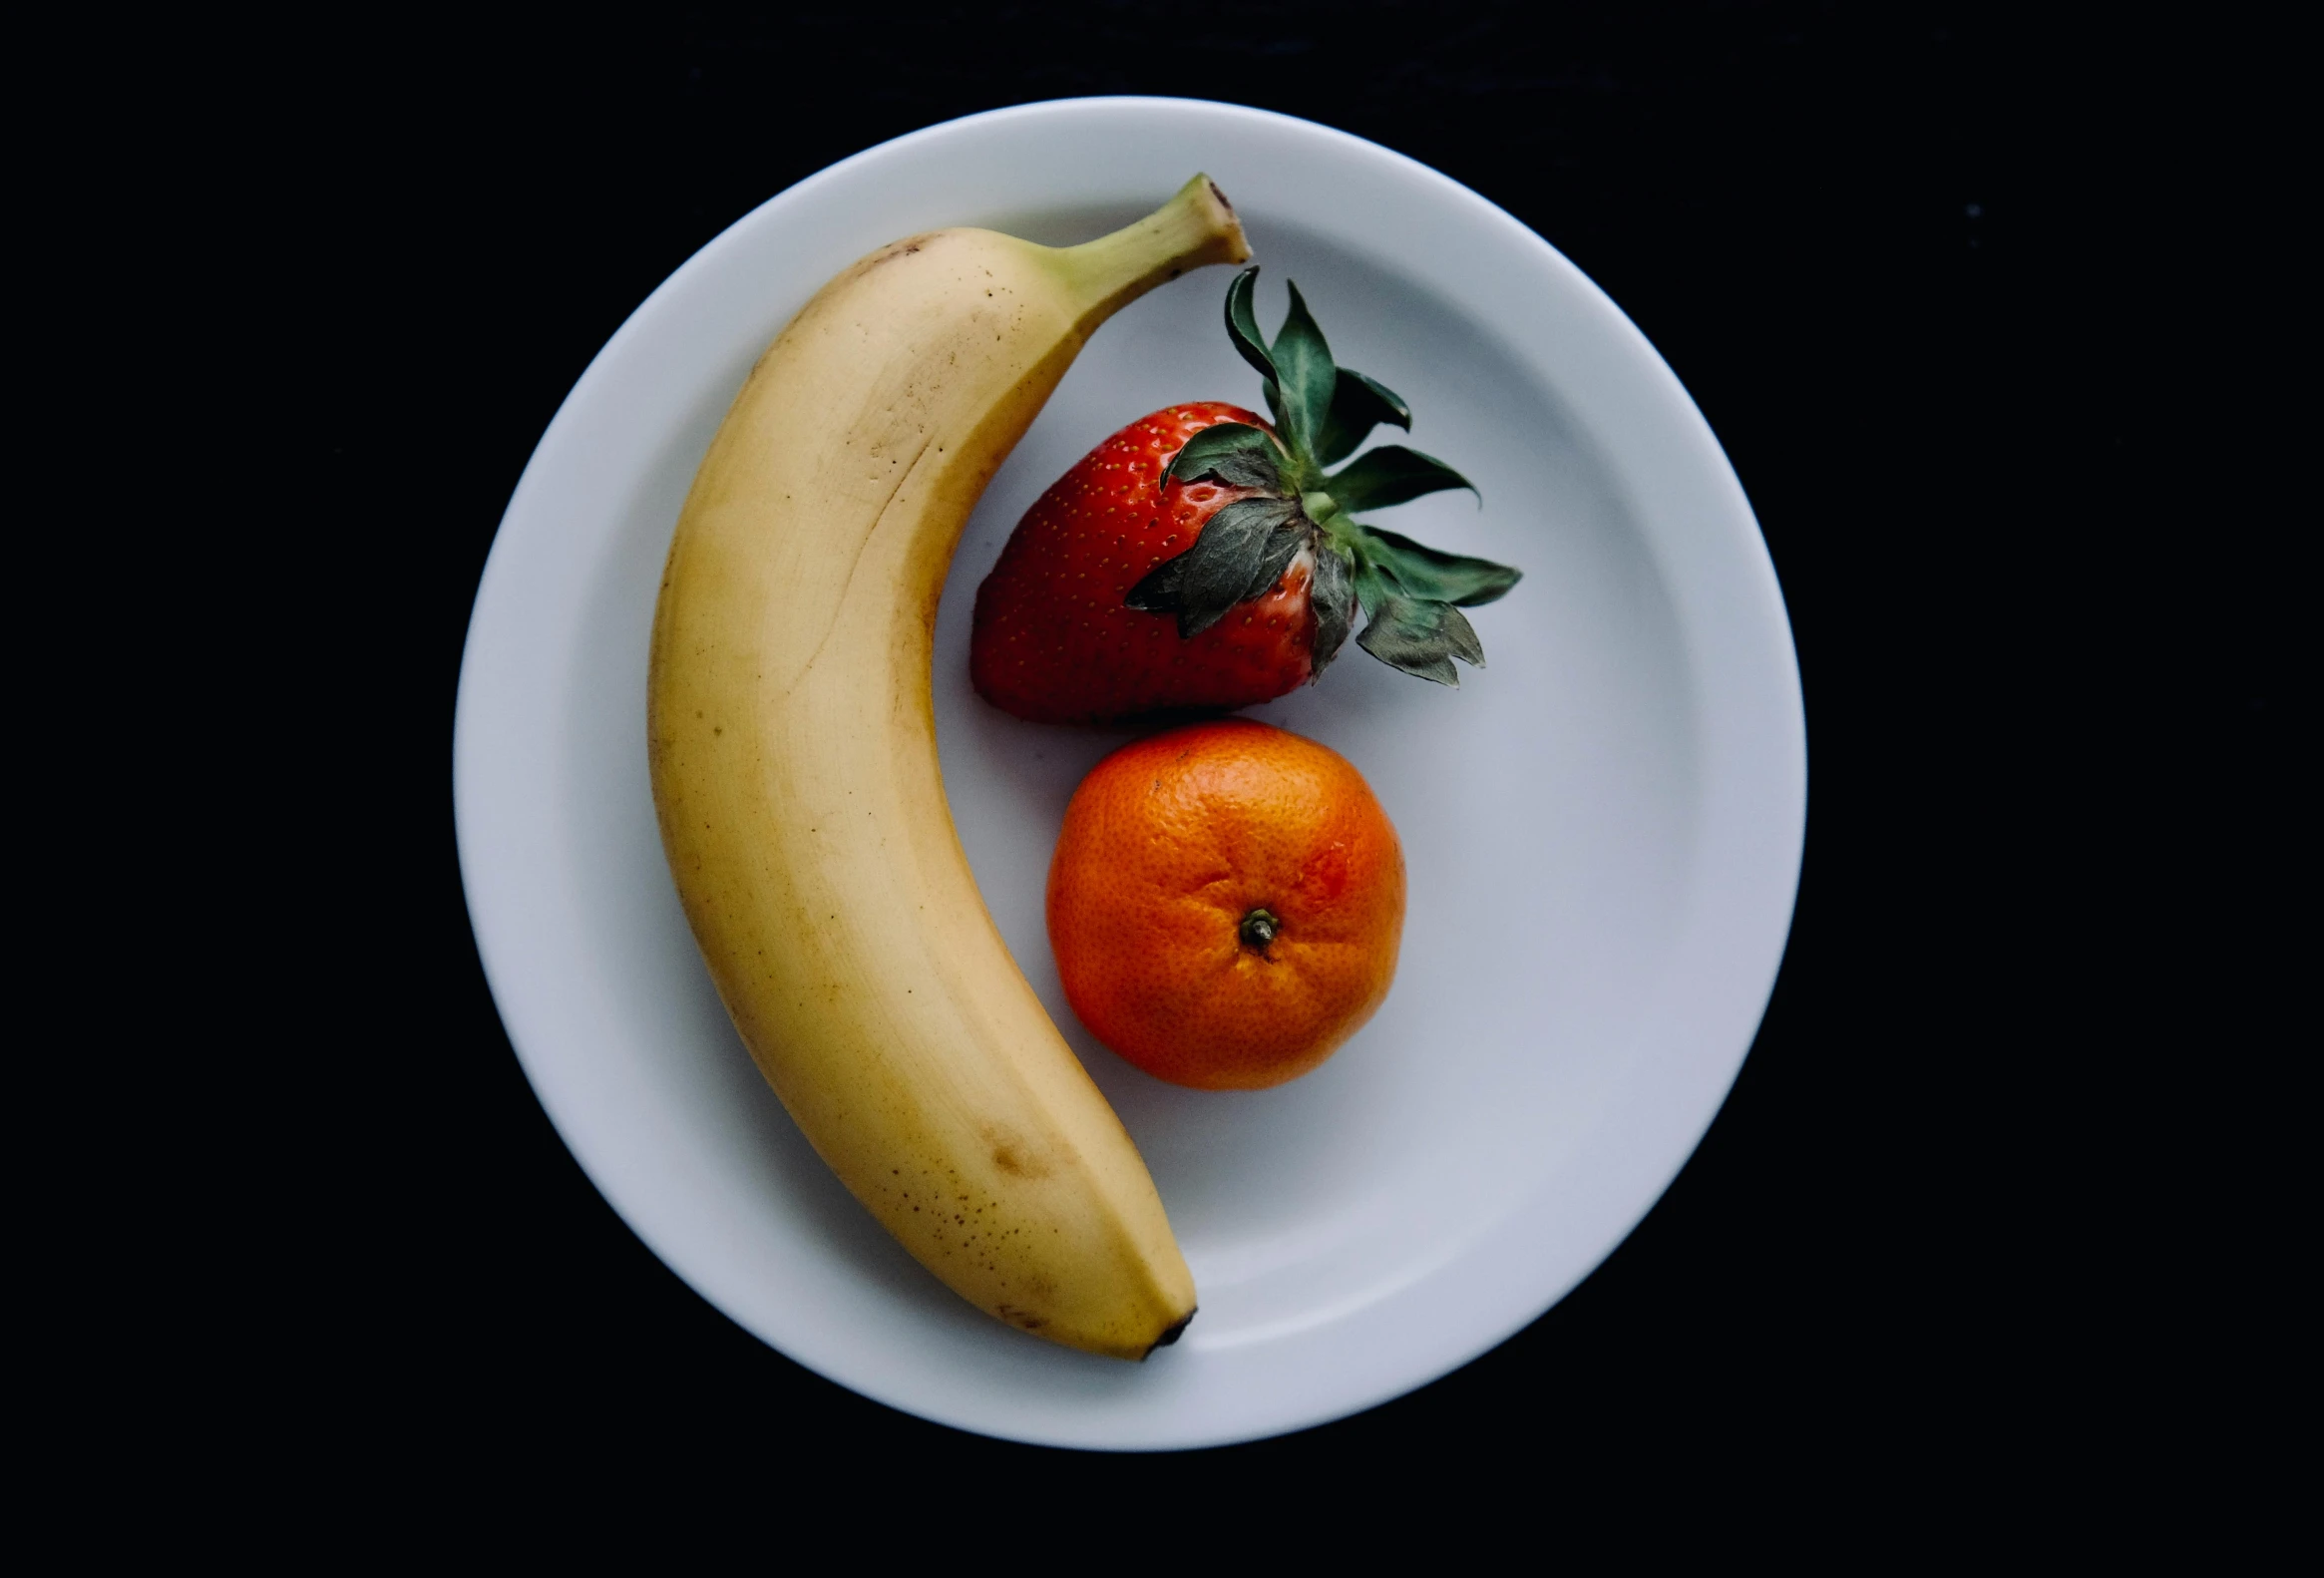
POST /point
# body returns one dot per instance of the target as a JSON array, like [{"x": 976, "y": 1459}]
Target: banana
[{"x": 793, "y": 748}]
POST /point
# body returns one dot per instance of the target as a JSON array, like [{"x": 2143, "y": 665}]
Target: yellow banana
[{"x": 793, "y": 744}]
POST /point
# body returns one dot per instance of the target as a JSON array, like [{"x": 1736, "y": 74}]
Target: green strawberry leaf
[
  {"x": 1433, "y": 574},
  {"x": 1392, "y": 473},
  {"x": 1229, "y": 562},
  {"x": 1235, "y": 453},
  {"x": 1243, "y": 324},
  {"x": 1283, "y": 546},
  {"x": 1373, "y": 586},
  {"x": 1332, "y": 596},
  {"x": 1305, "y": 376},
  {"x": 1359, "y": 404},
  {"x": 1422, "y": 637}
]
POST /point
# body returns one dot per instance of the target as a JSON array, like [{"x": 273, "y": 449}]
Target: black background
[{"x": 1910, "y": 262}]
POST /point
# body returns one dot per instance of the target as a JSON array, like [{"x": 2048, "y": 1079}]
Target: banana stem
[{"x": 1194, "y": 227}]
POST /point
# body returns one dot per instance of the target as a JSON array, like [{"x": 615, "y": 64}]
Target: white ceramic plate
[{"x": 1603, "y": 829}]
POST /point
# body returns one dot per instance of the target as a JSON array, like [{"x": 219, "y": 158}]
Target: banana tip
[
  {"x": 1238, "y": 246},
  {"x": 1176, "y": 1331}
]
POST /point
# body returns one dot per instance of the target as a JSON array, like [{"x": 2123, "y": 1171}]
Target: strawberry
[
  {"x": 1202, "y": 558},
  {"x": 1056, "y": 639}
]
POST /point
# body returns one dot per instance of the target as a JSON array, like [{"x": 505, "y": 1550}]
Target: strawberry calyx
[{"x": 1411, "y": 594}]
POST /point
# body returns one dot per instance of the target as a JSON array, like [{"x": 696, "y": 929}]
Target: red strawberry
[
  {"x": 1056, "y": 641},
  {"x": 1201, "y": 558}
]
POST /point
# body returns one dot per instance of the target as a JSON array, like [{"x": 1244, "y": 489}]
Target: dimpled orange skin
[{"x": 1168, "y": 845}]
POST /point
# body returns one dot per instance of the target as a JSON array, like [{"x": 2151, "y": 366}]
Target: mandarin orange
[{"x": 1225, "y": 903}]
